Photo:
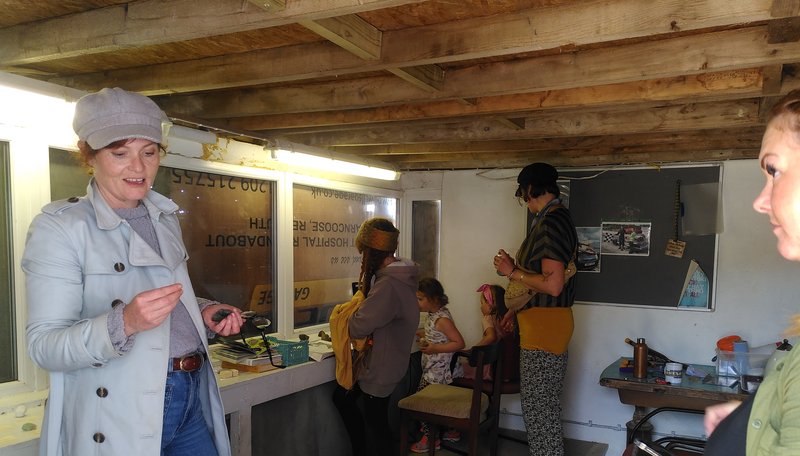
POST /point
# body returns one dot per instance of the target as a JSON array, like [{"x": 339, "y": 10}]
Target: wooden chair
[
  {"x": 509, "y": 375},
  {"x": 509, "y": 370},
  {"x": 471, "y": 411},
  {"x": 672, "y": 445}
]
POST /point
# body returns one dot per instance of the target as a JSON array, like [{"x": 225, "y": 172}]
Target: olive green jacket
[{"x": 774, "y": 425}]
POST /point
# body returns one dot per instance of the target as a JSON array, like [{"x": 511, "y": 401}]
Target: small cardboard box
[{"x": 736, "y": 364}]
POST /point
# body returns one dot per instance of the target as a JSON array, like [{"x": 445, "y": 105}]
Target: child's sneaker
[
  {"x": 451, "y": 435},
  {"x": 422, "y": 445}
]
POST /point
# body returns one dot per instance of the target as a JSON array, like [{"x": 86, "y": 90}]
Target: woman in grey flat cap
[
  {"x": 545, "y": 321},
  {"x": 111, "y": 311}
]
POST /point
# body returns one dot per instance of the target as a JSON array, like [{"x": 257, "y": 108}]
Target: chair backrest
[
  {"x": 482, "y": 355},
  {"x": 509, "y": 351}
]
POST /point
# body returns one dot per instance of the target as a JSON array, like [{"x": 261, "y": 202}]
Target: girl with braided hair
[{"x": 390, "y": 316}]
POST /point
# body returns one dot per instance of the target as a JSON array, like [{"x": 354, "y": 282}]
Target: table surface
[{"x": 690, "y": 387}]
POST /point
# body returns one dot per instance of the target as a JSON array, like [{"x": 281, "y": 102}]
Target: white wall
[{"x": 756, "y": 291}]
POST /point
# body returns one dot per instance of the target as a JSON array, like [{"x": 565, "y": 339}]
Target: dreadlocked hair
[
  {"x": 370, "y": 263},
  {"x": 376, "y": 240}
]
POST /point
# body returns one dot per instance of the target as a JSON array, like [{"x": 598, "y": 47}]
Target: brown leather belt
[{"x": 188, "y": 363}]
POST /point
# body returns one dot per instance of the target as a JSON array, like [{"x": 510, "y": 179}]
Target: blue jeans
[{"x": 185, "y": 432}]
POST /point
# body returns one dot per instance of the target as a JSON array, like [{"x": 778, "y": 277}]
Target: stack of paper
[
  {"x": 234, "y": 357},
  {"x": 319, "y": 350}
]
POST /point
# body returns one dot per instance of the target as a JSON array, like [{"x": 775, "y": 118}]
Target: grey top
[{"x": 183, "y": 337}]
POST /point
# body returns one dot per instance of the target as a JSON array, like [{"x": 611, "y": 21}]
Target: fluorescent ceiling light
[
  {"x": 48, "y": 115},
  {"x": 335, "y": 165},
  {"x": 192, "y": 134}
]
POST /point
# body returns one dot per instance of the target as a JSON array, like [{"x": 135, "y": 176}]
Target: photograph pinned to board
[
  {"x": 626, "y": 238},
  {"x": 588, "y": 255},
  {"x": 695, "y": 288}
]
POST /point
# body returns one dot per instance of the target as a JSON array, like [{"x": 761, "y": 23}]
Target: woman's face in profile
[
  {"x": 125, "y": 174},
  {"x": 780, "y": 198}
]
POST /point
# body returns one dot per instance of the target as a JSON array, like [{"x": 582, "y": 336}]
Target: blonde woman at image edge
[{"x": 768, "y": 423}]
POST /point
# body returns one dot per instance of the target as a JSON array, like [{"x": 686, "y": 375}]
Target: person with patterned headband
[{"x": 389, "y": 316}]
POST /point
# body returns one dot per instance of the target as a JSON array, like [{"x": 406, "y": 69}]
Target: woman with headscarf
[{"x": 389, "y": 316}]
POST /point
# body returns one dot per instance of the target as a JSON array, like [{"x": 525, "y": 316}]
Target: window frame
[
  {"x": 30, "y": 187},
  {"x": 29, "y": 147},
  {"x": 407, "y": 222},
  {"x": 293, "y": 179},
  {"x": 30, "y": 190}
]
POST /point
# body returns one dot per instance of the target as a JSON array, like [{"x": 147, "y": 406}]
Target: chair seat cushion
[{"x": 444, "y": 400}]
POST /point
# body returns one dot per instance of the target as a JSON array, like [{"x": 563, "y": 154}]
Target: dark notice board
[{"x": 641, "y": 195}]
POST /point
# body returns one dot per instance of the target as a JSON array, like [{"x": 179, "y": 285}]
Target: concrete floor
[{"x": 508, "y": 447}]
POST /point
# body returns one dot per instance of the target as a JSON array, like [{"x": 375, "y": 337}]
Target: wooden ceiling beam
[
  {"x": 717, "y": 86},
  {"x": 351, "y": 33},
  {"x": 676, "y": 57},
  {"x": 358, "y": 37},
  {"x": 271, "y": 6},
  {"x": 150, "y": 22},
  {"x": 696, "y": 116},
  {"x": 562, "y": 161},
  {"x": 573, "y": 24},
  {"x": 529, "y": 31},
  {"x": 402, "y": 160},
  {"x": 741, "y": 138},
  {"x": 773, "y": 79},
  {"x": 784, "y": 8},
  {"x": 426, "y": 77}
]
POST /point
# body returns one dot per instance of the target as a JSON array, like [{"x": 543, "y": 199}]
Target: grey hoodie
[{"x": 391, "y": 314}]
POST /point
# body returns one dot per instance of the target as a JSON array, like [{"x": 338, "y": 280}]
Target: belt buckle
[{"x": 187, "y": 360}]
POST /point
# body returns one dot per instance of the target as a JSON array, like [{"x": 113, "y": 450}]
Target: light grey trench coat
[{"x": 80, "y": 258}]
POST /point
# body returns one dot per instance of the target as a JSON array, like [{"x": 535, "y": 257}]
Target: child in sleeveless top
[
  {"x": 438, "y": 341},
  {"x": 493, "y": 308}
]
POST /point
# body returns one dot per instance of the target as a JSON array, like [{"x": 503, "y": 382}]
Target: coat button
[
  {"x": 757, "y": 424},
  {"x": 102, "y": 392},
  {"x": 73, "y": 199},
  {"x": 116, "y": 302},
  {"x": 119, "y": 267},
  {"x": 99, "y": 437}
]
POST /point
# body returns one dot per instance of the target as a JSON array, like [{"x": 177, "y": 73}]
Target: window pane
[
  {"x": 425, "y": 236},
  {"x": 227, "y": 229},
  {"x": 68, "y": 177},
  {"x": 326, "y": 261},
  {"x": 8, "y": 351}
]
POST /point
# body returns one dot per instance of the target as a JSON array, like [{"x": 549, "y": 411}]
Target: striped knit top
[{"x": 554, "y": 238}]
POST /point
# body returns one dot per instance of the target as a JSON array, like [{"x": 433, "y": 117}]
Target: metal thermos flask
[{"x": 640, "y": 359}]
